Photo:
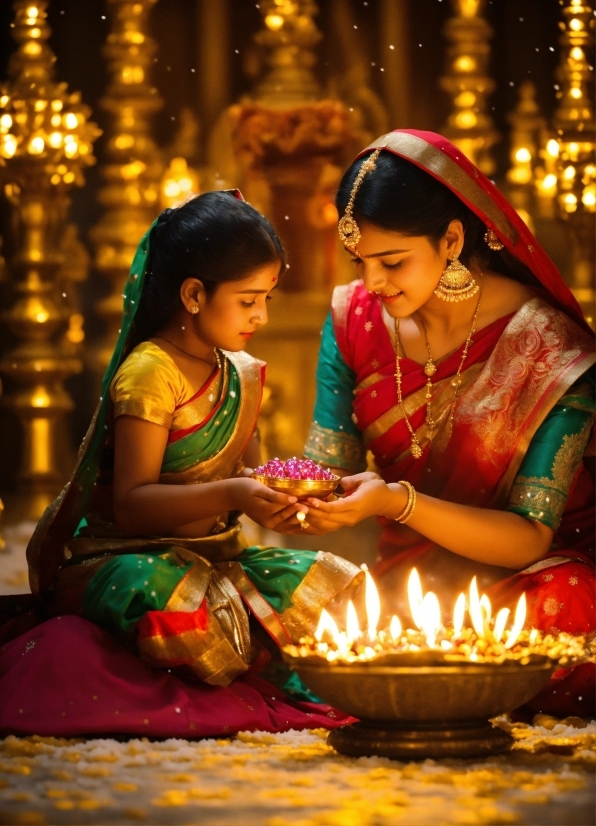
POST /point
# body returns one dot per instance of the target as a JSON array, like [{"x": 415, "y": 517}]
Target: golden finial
[
  {"x": 290, "y": 34},
  {"x": 469, "y": 125},
  {"x": 133, "y": 166}
]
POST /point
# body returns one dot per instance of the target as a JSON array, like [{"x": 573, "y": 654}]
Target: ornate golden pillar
[
  {"x": 45, "y": 141},
  {"x": 293, "y": 145},
  {"x": 133, "y": 166},
  {"x": 527, "y": 125},
  {"x": 469, "y": 125},
  {"x": 576, "y": 134}
]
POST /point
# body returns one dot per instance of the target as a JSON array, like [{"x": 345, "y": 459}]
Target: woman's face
[
  {"x": 403, "y": 270},
  {"x": 230, "y": 316}
]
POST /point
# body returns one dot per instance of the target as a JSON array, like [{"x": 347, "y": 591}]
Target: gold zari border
[
  {"x": 328, "y": 576},
  {"x": 207, "y": 652},
  {"x": 441, "y": 166},
  {"x": 336, "y": 449}
]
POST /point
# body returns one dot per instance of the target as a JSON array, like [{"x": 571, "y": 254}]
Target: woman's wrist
[{"x": 396, "y": 501}]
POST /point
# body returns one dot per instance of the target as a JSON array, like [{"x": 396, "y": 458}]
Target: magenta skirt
[{"x": 67, "y": 677}]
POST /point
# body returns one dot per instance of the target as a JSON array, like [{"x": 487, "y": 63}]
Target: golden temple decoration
[
  {"x": 290, "y": 34},
  {"x": 293, "y": 148},
  {"x": 576, "y": 135},
  {"x": 527, "y": 125},
  {"x": 133, "y": 166},
  {"x": 469, "y": 125},
  {"x": 45, "y": 140}
]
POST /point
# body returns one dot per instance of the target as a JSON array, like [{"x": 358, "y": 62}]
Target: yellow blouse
[{"x": 150, "y": 386}]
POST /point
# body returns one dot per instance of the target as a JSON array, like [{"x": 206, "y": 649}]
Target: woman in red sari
[{"x": 461, "y": 361}]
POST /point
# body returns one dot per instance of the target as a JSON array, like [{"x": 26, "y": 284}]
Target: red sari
[{"x": 517, "y": 369}]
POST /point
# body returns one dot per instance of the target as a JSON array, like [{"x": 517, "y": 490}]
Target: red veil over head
[{"x": 445, "y": 162}]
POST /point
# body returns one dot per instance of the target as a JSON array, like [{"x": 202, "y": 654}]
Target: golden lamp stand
[
  {"x": 45, "y": 141},
  {"x": 576, "y": 136},
  {"x": 469, "y": 125},
  {"x": 132, "y": 170}
]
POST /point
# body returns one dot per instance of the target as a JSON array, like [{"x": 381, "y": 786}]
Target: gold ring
[{"x": 304, "y": 526}]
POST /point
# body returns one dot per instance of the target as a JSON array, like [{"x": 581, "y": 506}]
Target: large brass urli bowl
[
  {"x": 302, "y": 488},
  {"x": 414, "y": 706}
]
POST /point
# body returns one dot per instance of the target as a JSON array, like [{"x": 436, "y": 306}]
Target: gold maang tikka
[{"x": 348, "y": 229}]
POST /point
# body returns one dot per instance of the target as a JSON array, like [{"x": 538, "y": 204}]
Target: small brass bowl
[{"x": 302, "y": 488}]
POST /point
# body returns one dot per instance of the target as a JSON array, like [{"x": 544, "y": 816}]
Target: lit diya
[
  {"x": 429, "y": 691},
  {"x": 298, "y": 477}
]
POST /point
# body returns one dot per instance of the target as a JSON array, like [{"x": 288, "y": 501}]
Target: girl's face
[
  {"x": 403, "y": 270},
  {"x": 230, "y": 316}
]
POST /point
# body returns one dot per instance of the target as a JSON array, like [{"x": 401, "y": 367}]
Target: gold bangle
[{"x": 410, "y": 505}]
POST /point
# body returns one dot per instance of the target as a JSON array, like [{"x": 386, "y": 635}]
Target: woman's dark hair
[
  {"x": 214, "y": 237},
  {"x": 400, "y": 196}
]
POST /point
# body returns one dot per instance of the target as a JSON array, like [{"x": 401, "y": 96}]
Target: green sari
[{"x": 191, "y": 603}]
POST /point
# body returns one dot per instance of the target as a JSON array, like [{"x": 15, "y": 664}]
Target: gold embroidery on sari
[
  {"x": 326, "y": 578},
  {"x": 517, "y": 385},
  {"x": 222, "y": 464},
  {"x": 190, "y": 591},
  {"x": 208, "y": 652},
  {"x": 440, "y": 165},
  {"x": 196, "y": 410},
  {"x": 333, "y": 448},
  {"x": 544, "y": 498},
  {"x": 258, "y": 605}
]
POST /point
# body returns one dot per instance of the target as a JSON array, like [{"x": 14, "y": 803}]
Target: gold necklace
[
  {"x": 192, "y": 355},
  {"x": 430, "y": 369}
]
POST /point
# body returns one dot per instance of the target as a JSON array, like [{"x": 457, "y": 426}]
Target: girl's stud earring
[{"x": 194, "y": 309}]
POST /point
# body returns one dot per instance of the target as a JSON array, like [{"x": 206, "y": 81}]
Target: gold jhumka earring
[
  {"x": 348, "y": 229},
  {"x": 492, "y": 239},
  {"x": 456, "y": 283}
]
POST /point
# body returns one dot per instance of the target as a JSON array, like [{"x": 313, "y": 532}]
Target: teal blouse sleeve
[
  {"x": 541, "y": 488},
  {"x": 334, "y": 439}
]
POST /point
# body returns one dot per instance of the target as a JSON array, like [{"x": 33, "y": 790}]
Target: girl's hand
[
  {"x": 366, "y": 495},
  {"x": 268, "y": 508}
]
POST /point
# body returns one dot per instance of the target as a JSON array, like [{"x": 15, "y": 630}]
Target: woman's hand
[
  {"x": 268, "y": 508},
  {"x": 366, "y": 495}
]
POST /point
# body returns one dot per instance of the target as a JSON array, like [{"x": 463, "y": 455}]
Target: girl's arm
[{"x": 143, "y": 505}]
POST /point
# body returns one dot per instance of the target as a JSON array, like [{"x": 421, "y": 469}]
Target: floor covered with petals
[{"x": 295, "y": 779}]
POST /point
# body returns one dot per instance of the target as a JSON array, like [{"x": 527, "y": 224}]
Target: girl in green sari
[{"x": 144, "y": 542}]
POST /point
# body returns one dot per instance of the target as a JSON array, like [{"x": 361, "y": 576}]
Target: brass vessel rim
[
  {"x": 303, "y": 483},
  {"x": 538, "y": 662}
]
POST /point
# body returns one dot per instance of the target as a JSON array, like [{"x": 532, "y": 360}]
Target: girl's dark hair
[
  {"x": 215, "y": 238},
  {"x": 400, "y": 196}
]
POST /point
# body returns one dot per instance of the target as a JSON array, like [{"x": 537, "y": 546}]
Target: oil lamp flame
[
  {"x": 415, "y": 597},
  {"x": 431, "y": 618},
  {"x": 458, "y": 614},
  {"x": 352, "y": 628},
  {"x": 373, "y": 604},
  {"x": 476, "y": 613},
  {"x": 518, "y": 622},
  {"x": 395, "y": 628},
  {"x": 500, "y": 621},
  {"x": 327, "y": 625}
]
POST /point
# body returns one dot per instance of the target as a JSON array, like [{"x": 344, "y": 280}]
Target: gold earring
[
  {"x": 194, "y": 309},
  {"x": 492, "y": 239},
  {"x": 456, "y": 283}
]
